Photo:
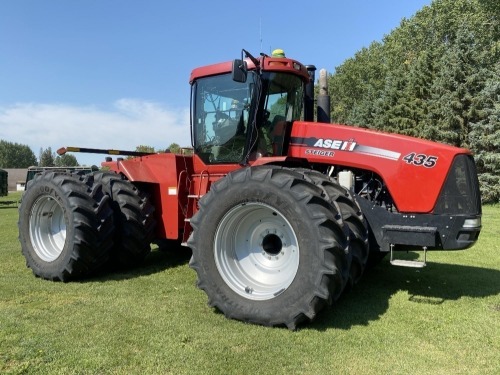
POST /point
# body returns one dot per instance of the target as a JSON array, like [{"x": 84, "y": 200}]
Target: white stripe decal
[{"x": 378, "y": 152}]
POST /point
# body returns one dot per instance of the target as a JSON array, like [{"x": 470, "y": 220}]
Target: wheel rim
[
  {"x": 47, "y": 226},
  {"x": 256, "y": 251}
]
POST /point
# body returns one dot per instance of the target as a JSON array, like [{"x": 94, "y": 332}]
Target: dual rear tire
[
  {"x": 71, "y": 225},
  {"x": 133, "y": 217},
  {"x": 65, "y": 226}
]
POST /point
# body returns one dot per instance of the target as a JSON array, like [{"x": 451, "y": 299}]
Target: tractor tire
[
  {"x": 267, "y": 247},
  {"x": 65, "y": 228},
  {"x": 133, "y": 217},
  {"x": 352, "y": 216}
]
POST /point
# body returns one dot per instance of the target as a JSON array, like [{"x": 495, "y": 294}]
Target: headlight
[{"x": 472, "y": 223}]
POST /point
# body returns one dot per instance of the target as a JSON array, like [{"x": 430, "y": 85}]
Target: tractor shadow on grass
[
  {"x": 160, "y": 259},
  {"x": 369, "y": 299},
  {"x": 433, "y": 285}
]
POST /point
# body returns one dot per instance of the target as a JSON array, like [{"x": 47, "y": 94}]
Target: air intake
[{"x": 460, "y": 194}]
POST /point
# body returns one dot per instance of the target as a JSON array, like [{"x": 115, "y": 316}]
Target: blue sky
[{"x": 114, "y": 74}]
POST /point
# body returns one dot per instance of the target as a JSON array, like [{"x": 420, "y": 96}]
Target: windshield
[
  {"x": 284, "y": 95},
  {"x": 223, "y": 109},
  {"x": 283, "y": 104}
]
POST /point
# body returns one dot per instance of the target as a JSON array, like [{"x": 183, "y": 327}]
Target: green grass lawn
[{"x": 443, "y": 319}]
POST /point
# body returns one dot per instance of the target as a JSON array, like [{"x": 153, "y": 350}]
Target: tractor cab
[{"x": 240, "y": 110}]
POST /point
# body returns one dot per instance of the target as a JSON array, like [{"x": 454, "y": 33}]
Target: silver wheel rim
[
  {"x": 256, "y": 251},
  {"x": 47, "y": 228}
]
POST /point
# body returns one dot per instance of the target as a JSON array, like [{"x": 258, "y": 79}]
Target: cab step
[{"x": 409, "y": 263}]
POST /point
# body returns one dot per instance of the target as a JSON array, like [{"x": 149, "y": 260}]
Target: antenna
[{"x": 260, "y": 32}]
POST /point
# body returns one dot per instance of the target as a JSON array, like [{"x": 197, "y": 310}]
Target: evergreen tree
[
  {"x": 455, "y": 87},
  {"x": 47, "y": 158},
  {"x": 355, "y": 86},
  {"x": 432, "y": 78},
  {"x": 417, "y": 93},
  {"x": 484, "y": 138},
  {"x": 388, "y": 107}
]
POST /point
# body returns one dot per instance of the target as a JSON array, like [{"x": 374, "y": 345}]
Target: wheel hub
[
  {"x": 272, "y": 244},
  {"x": 256, "y": 251},
  {"x": 47, "y": 228}
]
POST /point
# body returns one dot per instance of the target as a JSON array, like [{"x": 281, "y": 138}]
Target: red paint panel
[
  {"x": 167, "y": 175},
  {"x": 414, "y": 183}
]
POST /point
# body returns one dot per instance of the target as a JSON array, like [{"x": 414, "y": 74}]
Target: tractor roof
[{"x": 267, "y": 63}]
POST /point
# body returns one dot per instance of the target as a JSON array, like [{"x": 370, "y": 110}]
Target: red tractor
[{"x": 281, "y": 213}]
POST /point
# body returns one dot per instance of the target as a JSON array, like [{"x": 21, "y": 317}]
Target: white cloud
[{"x": 127, "y": 124}]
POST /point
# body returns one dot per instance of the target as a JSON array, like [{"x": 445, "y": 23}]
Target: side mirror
[{"x": 240, "y": 71}]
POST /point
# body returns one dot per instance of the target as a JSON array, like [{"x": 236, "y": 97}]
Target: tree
[
  {"x": 66, "y": 160},
  {"x": 143, "y": 148},
  {"x": 15, "y": 155},
  {"x": 47, "y": 158},
  {"x": 485, "y": 138},
  {"x": 355, "y": 86},
  {"x": 389, "y": 107},
  {"x": 459, "y": 80},
  {"x": 432, "y": 78},
  {"x": 175, "y": 148}
]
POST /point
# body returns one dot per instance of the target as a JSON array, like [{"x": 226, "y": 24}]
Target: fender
[{"x": 164, "y": 177}]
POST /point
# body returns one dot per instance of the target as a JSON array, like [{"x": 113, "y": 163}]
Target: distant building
[{"x": 17, "y": 178}]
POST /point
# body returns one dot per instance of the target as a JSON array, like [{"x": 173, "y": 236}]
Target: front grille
[{"x": 460, "y": 194}]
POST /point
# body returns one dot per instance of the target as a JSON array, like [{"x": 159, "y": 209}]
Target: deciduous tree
[{"x": 15, "y": 155}]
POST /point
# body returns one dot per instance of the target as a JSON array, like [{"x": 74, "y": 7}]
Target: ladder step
[{"x": 408, "y": 263}]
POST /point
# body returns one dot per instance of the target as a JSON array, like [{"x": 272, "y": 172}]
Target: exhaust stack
[
  {"x": 309, "y": 99},
  {"x": 323, "y": 98}
]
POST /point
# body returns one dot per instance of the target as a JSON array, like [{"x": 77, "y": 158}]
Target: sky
[{"x": 114, "y": 74}]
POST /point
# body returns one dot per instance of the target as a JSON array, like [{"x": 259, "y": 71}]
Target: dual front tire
[{"x": 268, "y": 248}]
